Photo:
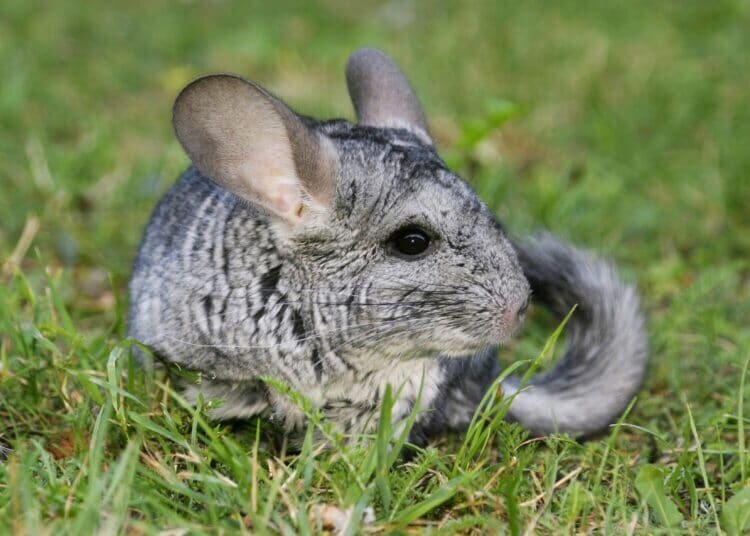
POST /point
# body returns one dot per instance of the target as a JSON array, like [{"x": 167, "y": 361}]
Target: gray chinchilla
[{"x": 340, "y": 258}]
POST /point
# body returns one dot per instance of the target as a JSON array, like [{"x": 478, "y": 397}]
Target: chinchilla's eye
[{"x": 409, "y": 242}]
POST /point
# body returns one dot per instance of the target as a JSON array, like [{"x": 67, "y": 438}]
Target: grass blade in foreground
[{"x": 650, "y": 484}]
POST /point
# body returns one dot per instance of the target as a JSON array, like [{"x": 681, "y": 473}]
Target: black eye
[{"x": 410, "y": 241}]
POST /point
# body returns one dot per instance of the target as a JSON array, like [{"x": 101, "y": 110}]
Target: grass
[{"x": 625, "y": 129}]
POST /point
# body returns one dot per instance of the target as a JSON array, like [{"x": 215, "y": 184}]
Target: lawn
[{"x": 623, "y": 127}]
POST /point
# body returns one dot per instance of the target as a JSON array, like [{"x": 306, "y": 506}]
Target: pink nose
[
  {"x": 522, "y": 309},
  {"x": 515, "y": 314}
]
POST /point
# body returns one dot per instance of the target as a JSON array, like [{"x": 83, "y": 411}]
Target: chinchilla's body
[{"x": 342, "y": 258}]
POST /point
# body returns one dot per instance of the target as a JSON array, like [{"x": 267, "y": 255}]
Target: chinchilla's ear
[
  {"x": 253, "y": 145},
  {"x": 381, "y": 94}
]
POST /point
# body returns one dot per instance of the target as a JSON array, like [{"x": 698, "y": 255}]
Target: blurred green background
[{"x": 633, "y": 140}]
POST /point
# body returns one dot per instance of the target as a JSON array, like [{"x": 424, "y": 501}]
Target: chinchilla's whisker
[
  {"x": 311, "y": 335},
  {"x": 396, "y": 290},
  {"x": 352, "y": 303}
]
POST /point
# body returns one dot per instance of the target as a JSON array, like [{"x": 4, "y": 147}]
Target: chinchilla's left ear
[
  {"x": 252, "y": 144},
  {"x": 381, "y": 94}
]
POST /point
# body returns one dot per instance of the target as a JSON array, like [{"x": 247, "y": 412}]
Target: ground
[{"x": 623, "y": 127}]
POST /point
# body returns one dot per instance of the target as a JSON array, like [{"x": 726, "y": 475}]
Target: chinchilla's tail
[{"x": 607, "y": 350}]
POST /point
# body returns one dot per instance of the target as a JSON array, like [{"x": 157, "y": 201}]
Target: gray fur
[{"x": 236, "y": 292}]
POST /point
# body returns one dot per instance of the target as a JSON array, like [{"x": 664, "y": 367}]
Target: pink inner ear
[
  {"x": 271, "y": 181},
  {"x": 246, "y": 140},
  {"x": 280, "y": 202}
]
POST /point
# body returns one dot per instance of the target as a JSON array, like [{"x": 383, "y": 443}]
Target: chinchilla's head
[{"x": 393, "y": 253}]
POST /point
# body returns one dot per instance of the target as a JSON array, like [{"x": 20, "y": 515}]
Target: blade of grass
[{"x": 702, "y": 465}]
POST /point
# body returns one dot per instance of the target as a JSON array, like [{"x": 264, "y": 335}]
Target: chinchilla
[{"x": 339, "y": 258}]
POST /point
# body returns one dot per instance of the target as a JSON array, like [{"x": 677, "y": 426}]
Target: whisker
[{"x": 311, "y": 335}]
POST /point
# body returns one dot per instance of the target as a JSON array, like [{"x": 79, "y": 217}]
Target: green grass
[{"x": 632, "y": 140}]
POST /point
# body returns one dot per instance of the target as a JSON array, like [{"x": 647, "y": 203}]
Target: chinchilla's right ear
[
  {"x": 252, "y": 144},
  {"x": 381, "y": 94}
]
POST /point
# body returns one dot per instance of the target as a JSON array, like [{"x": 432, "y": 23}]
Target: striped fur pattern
[{"x": 221, "y": 287}]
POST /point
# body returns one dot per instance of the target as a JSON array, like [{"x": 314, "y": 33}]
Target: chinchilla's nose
[
  {"x": 514, "y": 302},
  {"x": 522, "y": 309},
  {"x": 515, "y": 313}
]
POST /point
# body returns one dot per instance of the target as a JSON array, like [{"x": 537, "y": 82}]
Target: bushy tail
[{"x": 607, "y": 350}]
